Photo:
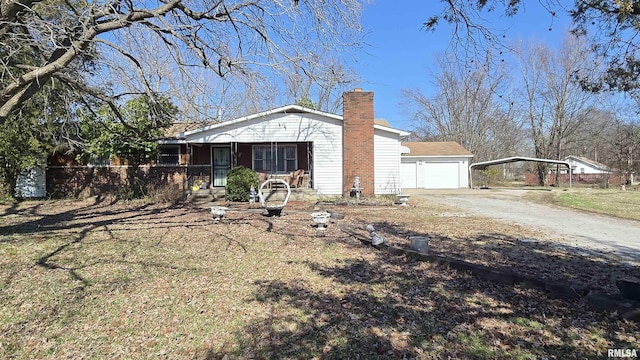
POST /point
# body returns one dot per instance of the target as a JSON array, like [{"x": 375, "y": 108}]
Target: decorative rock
[{"x": 375, "y": 238}]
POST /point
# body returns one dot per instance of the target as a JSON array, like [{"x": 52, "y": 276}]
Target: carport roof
[{"x": 484, "y": 164}]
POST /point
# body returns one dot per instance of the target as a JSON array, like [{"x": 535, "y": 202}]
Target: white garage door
[
  {"x": 408, "y": 175},
  {"x": 442, "y": 175}
]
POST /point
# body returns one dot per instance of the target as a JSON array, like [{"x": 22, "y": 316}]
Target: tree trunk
[{"x": 541, "y": 174}]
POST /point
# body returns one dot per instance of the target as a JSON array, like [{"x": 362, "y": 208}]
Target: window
[
  {"x": 169, "y": 155},
  {"x": 278, "y": 159},
  {"x": 99, "y": 161}
]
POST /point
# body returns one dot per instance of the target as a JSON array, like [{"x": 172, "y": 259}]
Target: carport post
[{"x": 570, "y": 175}]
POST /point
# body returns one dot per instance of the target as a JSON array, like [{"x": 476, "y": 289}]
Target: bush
[
  {"x": 5, "y": 194},
  {"x": 167, "y": 194},
  {"x": 491, "y": 176},
  {"x": 239, "y": 181}
]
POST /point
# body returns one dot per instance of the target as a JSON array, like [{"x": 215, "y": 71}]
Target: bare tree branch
[{"x": 239, "y": 37}]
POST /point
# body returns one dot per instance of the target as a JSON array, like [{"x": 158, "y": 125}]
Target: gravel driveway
[{"x": 581, "y": 230}]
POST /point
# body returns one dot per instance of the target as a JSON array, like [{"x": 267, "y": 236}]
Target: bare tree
[
  {"x": 244, "y": 41},
  {"x": 471, "y": 107},
  {"x": 610, "y": 26},
  {"x": 322, "y": 80},
  {"x": 533, "y": 65},
  {"x": 624, "y": 141},
  {"x": 594, "y": 136},
  {"x": 555, "y": 104}
]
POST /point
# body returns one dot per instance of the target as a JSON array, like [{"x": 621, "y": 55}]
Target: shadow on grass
[
  {"x": 389, "y": 306},
  {"x": 371, "y": 304},
  {"x": 76, "y": 217},
  {"x": 75, "y": 224},
  {"x": 588, "y": 269}
]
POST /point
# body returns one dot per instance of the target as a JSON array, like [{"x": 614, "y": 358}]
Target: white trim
[
  {"x": 171, "y": 142},
  {"x": 401, "y": 133}
]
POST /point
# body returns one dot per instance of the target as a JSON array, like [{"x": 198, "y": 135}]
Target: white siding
[
  {"x": 327, "y": 168},
  {"x": 325, "y": 133},
  {"x": 386, "y": 162},
  {"x": 580, "y": 167},
  {"x": 275, "y": 128}
]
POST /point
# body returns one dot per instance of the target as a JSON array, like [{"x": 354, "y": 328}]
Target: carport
[{"x": 484, "y": 164}]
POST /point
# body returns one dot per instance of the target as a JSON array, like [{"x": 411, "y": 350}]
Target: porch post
[{"x": 234, "y": 154}]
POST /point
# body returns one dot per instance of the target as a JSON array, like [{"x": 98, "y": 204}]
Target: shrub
[
  {"x": 491, "y": 176},
  {"x": 239, "y": 181},
  {"x": 5, "y": 194},
  {"x": 168, "y": 194}
]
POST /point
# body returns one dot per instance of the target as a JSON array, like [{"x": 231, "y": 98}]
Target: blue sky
[{"x": 401, "y": 53}]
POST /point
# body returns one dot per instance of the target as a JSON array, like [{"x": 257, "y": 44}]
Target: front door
[{"x": 221, "y": 165}]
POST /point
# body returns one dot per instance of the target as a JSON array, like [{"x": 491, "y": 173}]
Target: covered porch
[{"x": 211, "y": 162}]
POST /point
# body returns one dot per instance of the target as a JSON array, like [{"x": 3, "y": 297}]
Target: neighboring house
[
  {"x": 583, "y": 170},
  {"x": 434, "y": 165},
  {"x": 582, "y": 165}
]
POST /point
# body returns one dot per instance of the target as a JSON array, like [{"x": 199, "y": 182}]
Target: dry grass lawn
[
  {"x": 137, "y": 280},
  {"x": 623, "y": 204}
]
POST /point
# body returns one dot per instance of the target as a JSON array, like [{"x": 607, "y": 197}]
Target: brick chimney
[{"x": 357, "y": 141}]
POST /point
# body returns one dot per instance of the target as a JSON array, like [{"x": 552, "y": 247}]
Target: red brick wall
[
  {"x": 357, "y": 138},
  {"x": 82, "y": 181}
]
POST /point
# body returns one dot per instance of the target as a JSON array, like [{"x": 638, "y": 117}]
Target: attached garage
[{"x": 434, "y": 165}]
